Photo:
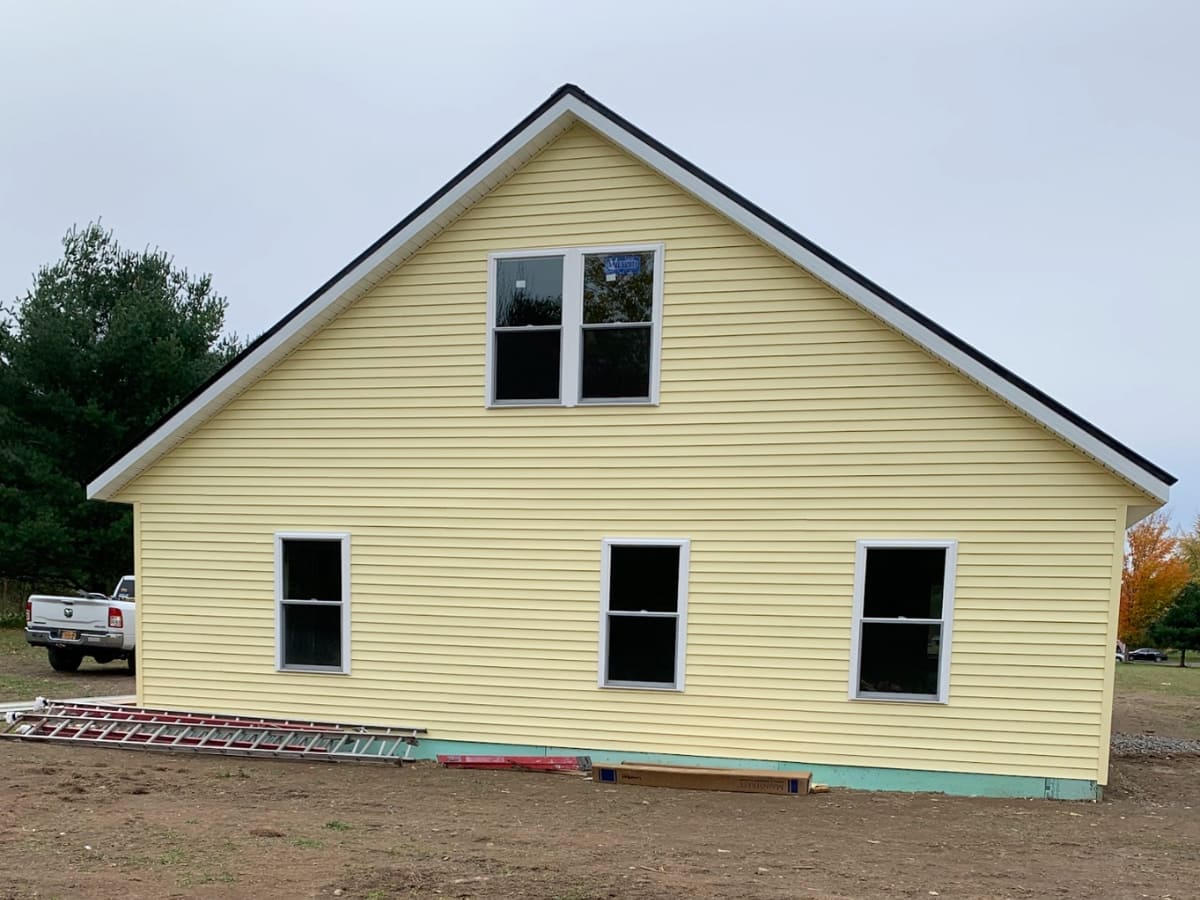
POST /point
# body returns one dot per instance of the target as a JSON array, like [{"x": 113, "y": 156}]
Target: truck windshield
[{"x": 125, "y": 588}]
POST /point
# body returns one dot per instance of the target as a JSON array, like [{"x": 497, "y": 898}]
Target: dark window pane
[
  {"x": 899, "y": 659},
  {"x": 527, "y": 364},
  {"x": 312, "y": 570},
  {"x": 529, "y": 291},
  {"x": 641, "y": 648},
  {"x": 618, "y": 287},
  {"x": 644, "y": 578},
  {"x": 904, "y": 582},
  {"x": 616, "y": 362},
  {"x": 312, "y": 635}
]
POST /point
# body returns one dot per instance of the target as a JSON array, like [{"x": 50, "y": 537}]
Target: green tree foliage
[
  {"x": 1179, "y": 626},
  {"x": 1189, "y": 549},
  {"x": 103, "y": 345}
]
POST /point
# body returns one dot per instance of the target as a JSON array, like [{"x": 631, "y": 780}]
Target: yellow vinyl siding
[
  {"x": 139, "y": 587},
  {"x": 791, "y": 424}
]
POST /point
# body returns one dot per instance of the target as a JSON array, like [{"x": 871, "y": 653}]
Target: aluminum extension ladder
[{"x": 171, "y": 730}]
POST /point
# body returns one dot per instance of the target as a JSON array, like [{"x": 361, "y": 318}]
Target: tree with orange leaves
[{"x": 1154, "y": 573}]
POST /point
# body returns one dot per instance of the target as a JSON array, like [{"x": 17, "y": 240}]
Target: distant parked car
[{"x": 1147, "y": 654}]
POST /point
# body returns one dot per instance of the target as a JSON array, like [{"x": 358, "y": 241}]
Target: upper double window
[{"x": 576, "y": 325}]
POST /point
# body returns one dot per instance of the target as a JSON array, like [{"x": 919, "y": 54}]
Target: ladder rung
[
  {"x": 341, "y": 742},
  {"x": 103, "y": 734}
]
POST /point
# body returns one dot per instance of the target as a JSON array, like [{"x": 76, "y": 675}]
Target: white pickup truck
[{"x": 94, "y": 625}]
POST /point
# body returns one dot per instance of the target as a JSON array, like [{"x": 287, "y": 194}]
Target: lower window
[
  {"x": 312, "y": 599},
  {"x": 903, "y": 604},
  {"x": 643, "y": 617}
]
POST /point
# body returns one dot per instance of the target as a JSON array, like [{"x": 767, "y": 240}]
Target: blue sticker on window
[{"x": 622, "y": 265}]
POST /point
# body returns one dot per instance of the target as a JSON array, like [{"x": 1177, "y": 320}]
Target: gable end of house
[{"x": 566, "y": 106}]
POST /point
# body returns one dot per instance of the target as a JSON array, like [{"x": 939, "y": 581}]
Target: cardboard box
[{"x": 701, "y": 778}]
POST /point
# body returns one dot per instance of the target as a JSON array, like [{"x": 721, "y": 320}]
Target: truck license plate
[{"x": 69, "y": 635}]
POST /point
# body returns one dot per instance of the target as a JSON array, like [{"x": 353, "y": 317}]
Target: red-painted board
[{"x": 528, "y": 763}]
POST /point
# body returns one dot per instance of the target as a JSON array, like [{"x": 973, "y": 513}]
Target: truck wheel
[
  {"x": 133, "y": 662},
  {"x": 64, "y": 659}
]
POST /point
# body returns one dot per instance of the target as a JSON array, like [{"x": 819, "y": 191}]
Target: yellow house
[{"x": 590, "y": 454}]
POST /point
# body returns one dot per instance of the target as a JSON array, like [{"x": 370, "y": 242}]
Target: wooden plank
[{"x": 703, "y": 778}]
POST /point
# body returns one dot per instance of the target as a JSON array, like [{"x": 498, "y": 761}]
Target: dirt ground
[
  {"x": 82, "y": 822},
  {"x": 111, "y": 823}
]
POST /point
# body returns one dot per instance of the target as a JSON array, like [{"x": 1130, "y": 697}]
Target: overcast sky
[{"x": 1026, "y": 173}]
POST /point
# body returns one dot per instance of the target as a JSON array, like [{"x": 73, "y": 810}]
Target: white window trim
[
  {"x": 344, "y": 538},
  {"x": 570, "y": 377},
  {"x": 684, "y": 545},
  {"x": 946, "y": 621}
]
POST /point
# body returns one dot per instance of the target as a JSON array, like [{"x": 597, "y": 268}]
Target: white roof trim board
[{"x": 566, "y": 106}]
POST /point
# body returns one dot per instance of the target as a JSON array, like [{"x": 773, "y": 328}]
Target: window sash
[
  {"x": 528, "y": 307},
  {"x": 601, "y": 326},
  {"x": 572, "y": 325},
  {"x": 498, "y": 355},
  {"x": 944, "y": 623},
  {"x": 311, "y": 637}
]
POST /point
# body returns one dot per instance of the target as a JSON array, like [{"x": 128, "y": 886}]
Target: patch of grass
[
  {"x": 172, "y": 857},
  {"x": 240, "y": 773},
  {"x": 25, "y": 673},
  {"x": 16, "y": 682},
  {"x": 12, "y": 638},
  {"x": 1158, "y": 678},
  {"x": 22, "y": 687},
  {"x": 207, "y": 878},
  {"x": 307, "y": 843},
  {"x": 335, "y": 825}
]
